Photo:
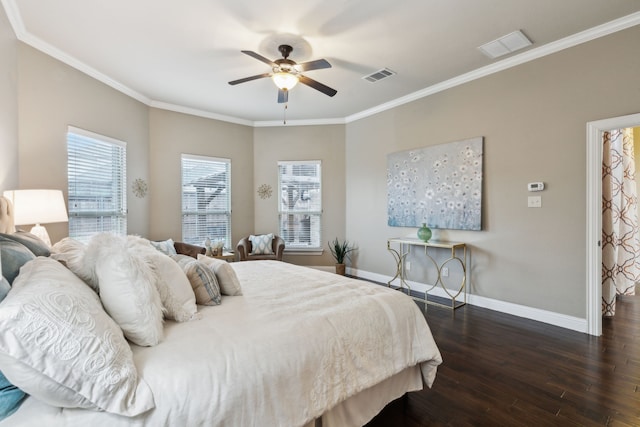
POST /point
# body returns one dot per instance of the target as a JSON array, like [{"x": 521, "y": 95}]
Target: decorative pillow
[
  {"x": 5, "y": 287},
  {"x": 127, "y": 289},
  {"x": 10, "y": 397},
  {"x": 202, "y": 278},
  {"x": 59, "y": 345},
  {"x": 262, "y": 244},
  {"x": 227, "y": 279},
  {"x": 14, "y": 255},
  {"x": 173, "y": 286},
  {"x": 32, "y": 242},
  {"x": 79, "y": 258},
  {"x": 166, "y": 247}
]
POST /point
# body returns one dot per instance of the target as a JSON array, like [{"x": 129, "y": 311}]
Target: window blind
[
  {"x": 206, "y": 199},
  {"x": 300, "y": 207},
  {"x": 96, "y": 168}
]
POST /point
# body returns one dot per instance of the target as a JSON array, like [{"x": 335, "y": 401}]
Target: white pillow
[
  {"x": 227, "y": 279},
  {"x": 73, "y": 254},
  {"x": 262, "y": 244},
  {"x": 176, "y": 293},
  {"x": 128, "y": 289},
  {"x": 58, "y": 344}
]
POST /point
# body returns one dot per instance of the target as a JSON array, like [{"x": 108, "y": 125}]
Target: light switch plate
[{"x": 534, "y": 202}]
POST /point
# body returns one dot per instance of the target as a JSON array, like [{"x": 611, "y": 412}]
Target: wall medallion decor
[
  {"x": 265, "y": 191},
  {"x": 440, "y": 185},
  {"x": 139, "y": 188}
]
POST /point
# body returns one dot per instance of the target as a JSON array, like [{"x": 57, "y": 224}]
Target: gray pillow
[
  {"x": 5, "y": 287},
  {"x": 32, "y": 242},
  {"x": 14, "y": 255}
]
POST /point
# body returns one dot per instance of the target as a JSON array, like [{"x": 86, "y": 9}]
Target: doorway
[{"x": 595, "y": 130}]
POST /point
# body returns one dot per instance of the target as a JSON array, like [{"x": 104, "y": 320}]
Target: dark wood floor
[{"x": 501, "y": 370}]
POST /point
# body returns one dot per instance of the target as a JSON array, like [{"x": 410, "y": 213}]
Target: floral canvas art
[{"x": 440, "y": 185}]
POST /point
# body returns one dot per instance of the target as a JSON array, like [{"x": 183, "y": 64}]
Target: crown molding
[
  {"x": 602, "y": 30},
  {"x": 199, "y": 113},
  {"x": 309, "y": 122}
]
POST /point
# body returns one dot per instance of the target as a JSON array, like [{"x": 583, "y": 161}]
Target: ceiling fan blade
[
  {"x": 283, "y": 96},
  {"x": 314, "y": 65},
  {"x": 317, "y": 85},
  {"x": 248, "y": 79},
  {"x": 259, "y": 57}
]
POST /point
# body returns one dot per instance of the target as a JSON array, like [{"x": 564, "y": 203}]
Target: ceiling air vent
[
  {"x": 379, "y": 75},
  {"x": 505, "y": 45}
]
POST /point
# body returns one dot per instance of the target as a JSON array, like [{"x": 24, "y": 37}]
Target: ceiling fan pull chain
[{"x": 284, "y": 121}]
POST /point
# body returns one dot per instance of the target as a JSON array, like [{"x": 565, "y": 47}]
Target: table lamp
[{"x": 38, "y": 207}]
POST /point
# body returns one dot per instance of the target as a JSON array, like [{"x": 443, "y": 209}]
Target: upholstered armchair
[
  {"x": 244, "y": 249},
  {"x": 188, "y": 249}
]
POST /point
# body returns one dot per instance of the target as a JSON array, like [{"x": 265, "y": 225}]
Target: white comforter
[{"x": 298, "y": 342}]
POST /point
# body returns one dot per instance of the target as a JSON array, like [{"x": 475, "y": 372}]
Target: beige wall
[
  {"x": 52, "y": 96},
  {"x": 533, "y": 118},
  {"x": 8, "y": 106},
  {"x": 325, "y": 143},
  {"x": 173, "y": 134}
]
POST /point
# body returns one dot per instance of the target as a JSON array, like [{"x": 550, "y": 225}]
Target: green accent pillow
[{"x": 10, "y": 397}]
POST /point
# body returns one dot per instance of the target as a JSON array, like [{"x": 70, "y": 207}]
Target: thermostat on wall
[{"x": 536, "y": 186}]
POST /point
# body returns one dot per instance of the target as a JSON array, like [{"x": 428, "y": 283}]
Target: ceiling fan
[{"x": 287, "y": 73}]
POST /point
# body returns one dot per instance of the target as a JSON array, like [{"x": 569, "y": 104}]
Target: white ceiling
[{"x": 180, "y": 55}]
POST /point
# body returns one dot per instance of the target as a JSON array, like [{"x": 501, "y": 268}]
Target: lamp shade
[
  {"x": 37, "y": 206},
  {"x": 285, "y": 81}
]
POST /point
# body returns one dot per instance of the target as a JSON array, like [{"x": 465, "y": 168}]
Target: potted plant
[{"x": 340, "y": 251}]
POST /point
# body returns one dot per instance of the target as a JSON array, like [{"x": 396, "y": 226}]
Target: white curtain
[{"x": 620, "y": 241}]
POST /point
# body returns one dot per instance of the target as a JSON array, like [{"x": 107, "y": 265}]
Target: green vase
[{"x": 424, "y": 233}]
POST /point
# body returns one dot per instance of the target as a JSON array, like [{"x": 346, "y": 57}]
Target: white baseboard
[{"x": 552, "y": 318}]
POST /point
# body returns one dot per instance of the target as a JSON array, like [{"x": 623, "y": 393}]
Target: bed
[{"x": 299, "y": 347}]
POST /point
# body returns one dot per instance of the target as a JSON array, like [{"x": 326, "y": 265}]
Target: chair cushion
[
  {"x": 261, "y": 244},
  {"x": 166, "y": 246}
]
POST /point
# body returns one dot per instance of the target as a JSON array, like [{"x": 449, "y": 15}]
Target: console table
[{"x": 404, "y": 245}]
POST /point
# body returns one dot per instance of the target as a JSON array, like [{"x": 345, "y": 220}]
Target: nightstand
[{"x": 227, "y": 256}]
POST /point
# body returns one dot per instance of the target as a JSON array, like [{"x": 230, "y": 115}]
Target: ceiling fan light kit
[
  {"x": 284, "y": 80},
  {"x": 287, "y": 73}
]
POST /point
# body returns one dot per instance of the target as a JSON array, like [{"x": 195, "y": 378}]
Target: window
[
  {"x": 96, "y": 168},
  {"x": 206, "y": 199},
  {"x": 300, "y": 206}
]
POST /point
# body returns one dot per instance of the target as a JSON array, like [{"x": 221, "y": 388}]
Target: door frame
[{"x": 595, "y": 130}]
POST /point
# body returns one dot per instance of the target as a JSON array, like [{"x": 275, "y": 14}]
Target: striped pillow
[{"x": 203, "y": 280}]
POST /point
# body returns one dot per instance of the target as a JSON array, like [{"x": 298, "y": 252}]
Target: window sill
[{"x": 302, "y": 251}]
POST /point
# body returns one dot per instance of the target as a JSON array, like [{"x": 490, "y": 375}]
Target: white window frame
[
  {"x": 287, "y": 211},
  {"x": 200, "y": 233},
  {"x": 85, "y": 169}
]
